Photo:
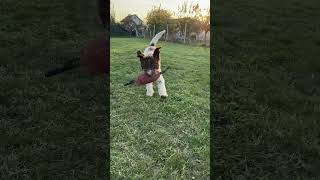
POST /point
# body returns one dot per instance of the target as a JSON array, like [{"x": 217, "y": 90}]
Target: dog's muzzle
[{"x": 149, "y": 72}]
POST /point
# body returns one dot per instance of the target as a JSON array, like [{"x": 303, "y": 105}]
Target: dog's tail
[{"x": 156, "y": 38}]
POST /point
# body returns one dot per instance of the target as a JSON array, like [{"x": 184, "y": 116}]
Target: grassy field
[
  {"x": 154, "y": 139},
  {"x": 49, "y": 128},
  {"x": 266, "y": 79}
]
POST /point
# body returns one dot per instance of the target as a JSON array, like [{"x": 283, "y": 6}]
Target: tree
[
  {"x": 158, "y": 17},
  {"x": 112, "y": 16},
  {"x": 185, "y": 9},
  {"x": 205, "y": 23},
  {"x": 189, "y": 15}
]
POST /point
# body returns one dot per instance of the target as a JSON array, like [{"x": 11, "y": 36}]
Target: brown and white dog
[{"x": 150, "y": 62}]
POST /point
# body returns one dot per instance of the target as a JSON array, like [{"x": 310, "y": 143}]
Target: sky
[{"x": 141, "y": 7}]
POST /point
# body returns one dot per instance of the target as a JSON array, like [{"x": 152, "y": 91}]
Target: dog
[{"x": 150, "y": 62}]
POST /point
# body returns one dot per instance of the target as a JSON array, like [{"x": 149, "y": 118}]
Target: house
[{"x": 134, "y": 25}]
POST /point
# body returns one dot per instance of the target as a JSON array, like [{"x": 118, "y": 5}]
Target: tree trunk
[{"x": 154, "y": 30}]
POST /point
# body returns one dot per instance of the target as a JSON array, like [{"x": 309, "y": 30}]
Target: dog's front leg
[
  {"x": 162, "y": 87},
  {"x": 150, "y": 90}
]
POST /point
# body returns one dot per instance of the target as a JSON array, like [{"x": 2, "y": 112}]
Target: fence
[{"x": 175, "y": 34}]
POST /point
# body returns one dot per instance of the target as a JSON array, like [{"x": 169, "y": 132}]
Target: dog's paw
[
  {"x": 150, "y": 94},
  {"x": 163, "y": 94},
  {"x": 163, "y": 98}
]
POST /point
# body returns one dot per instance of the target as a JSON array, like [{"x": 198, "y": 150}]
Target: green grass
[
  {"x": 154, "y": 139},
  {"x": 265, "y": 78},
  {"x": 49, "y": 127}
]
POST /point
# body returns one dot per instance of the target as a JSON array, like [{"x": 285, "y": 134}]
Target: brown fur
[{"x": 150, "y": 62}]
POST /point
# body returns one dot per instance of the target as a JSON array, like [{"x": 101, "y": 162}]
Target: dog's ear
[
  {"x": 140, "y": 54},
  {"x": 156, "y": 52}
]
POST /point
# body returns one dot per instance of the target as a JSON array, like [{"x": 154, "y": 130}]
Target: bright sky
[{"x": 141, "y": 7}]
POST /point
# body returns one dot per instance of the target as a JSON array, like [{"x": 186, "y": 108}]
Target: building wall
[{"x": 136, "y": 20}]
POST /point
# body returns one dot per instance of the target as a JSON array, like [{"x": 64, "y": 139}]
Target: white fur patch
[
  {"x": 150, "y": 90},
  {"x": 160, "y": 85},
  {"x": 148, "y": 51},
  {"x": 156, "y": 38}
]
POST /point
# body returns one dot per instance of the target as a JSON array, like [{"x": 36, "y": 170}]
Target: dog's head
[{"x": 151, "y": 62}]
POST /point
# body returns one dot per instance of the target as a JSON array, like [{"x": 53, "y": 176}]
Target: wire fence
[
  {"x": 173, "y": 33},
  {"x": 176, "y": 34}
]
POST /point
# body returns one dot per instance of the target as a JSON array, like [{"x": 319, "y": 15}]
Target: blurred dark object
[
  {"x": 93, "y": 59},
  {"x": 102, "y": 10},
  {"x": 71, "y": 64}
]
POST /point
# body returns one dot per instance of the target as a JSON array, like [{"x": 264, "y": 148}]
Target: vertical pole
[
  {"x": 185, "y": 32},
  {"x": 205, "y": 37},
  {"x": 144, "y": 33},
  {"x": 154, "y": 30},
  {"x": 167, "y": 32},
  {"x": 150, "y": 32}
]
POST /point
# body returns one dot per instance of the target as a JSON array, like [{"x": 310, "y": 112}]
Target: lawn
[
  {"x": 266, "y": 89},
  {"x": 49, "y": 128},
  {"x": 154, "y": 139}
]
